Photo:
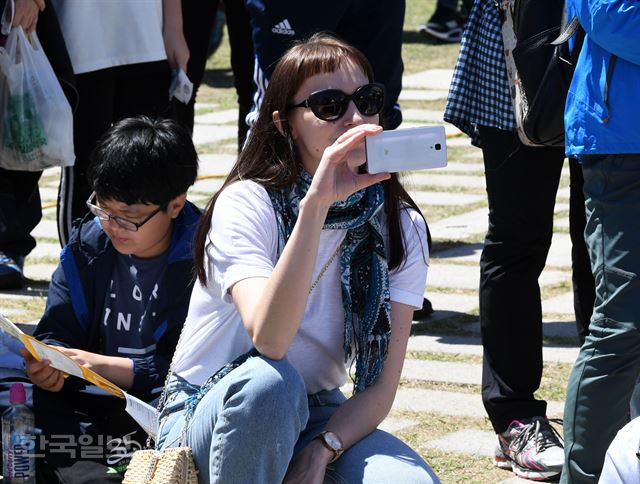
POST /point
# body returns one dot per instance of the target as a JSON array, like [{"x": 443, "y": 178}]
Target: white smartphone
[{"x": 406, "y": 149}]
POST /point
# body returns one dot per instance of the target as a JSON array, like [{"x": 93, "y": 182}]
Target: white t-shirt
[
  {"x": 244, "y": 244},
  {"x": 109, "y": 33},
  {"x": 621, "y": 465}
]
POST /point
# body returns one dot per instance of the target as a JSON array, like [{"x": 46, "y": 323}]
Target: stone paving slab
[
  {"x": 46, "y": 249},
  {"x": 217, "y": 117},
  {"x": 473, "y": 442},
  {"x": 463, "y": 303},
  {"x": 550, "y": 329},
  {"x": 463, "y": 141},
  {"x": 563, "y": 193},
  {"x": 208, "y": 186},
  {"x": 562, "y": 304},
  {"x": 466, "y": 277},
  {"x": 461, "y": 253},
  {"x": 53, "y": 171},
  {"x": 426, "y": 115},
  {"x": 460, "y": 226},
  {"x": 471, "y": 345},
  {"x": 396, "y": 424},
  {"x": 422, "y": 95},
  {"x": 46, "y": 229},
  {"x": 203, "y": 134},
  {"x": 452, "y": 166},
  {"x": 444, "y": 198},
  {"x": 11, "y": 312},
  {"x": 449, "y": 129},
  {"x": 559, "y": 253},
  {"x": 39, "y": 272},
  {"x": 429, "y": 79},
  {"x": 453, "y": 404},
  {"x": 215, "y": 164},
  {"x": 48, "y": 194},
  {"x": 433, "y": 178},
  {"x": 442, "y": 371}
]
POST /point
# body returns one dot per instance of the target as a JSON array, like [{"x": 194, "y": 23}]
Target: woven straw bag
[{"x": 173, "y": 465}]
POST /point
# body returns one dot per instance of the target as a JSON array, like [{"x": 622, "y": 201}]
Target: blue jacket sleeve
[
  {"x": 612, "y": 24},
  {"x": 59, "y": 325}
]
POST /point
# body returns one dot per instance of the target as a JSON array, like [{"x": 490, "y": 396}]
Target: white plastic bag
[{"x": 36, "y": 129}]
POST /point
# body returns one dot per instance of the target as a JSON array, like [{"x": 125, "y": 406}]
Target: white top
[
  {"x": 109, "y": 33},
  {"x": 244, "y": 244},
  {"x": 620, "y": 463}
]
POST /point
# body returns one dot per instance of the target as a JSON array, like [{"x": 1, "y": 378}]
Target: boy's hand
[
  {"x": 116, "y": 369},
  {"x": 42, "y": 374},
  {"x": 87, "y": 359}
]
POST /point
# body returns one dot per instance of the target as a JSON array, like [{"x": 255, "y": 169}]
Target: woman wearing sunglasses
[{"x": 318, "y": 266}]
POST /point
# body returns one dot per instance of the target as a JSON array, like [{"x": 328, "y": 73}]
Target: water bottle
[{"x": 18, "y": 440}]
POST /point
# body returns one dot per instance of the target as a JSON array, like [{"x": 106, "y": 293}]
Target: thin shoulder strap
[{"x": 567, "y": 31}]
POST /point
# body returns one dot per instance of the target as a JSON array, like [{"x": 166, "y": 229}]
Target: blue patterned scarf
[{"x": 363, "y": 268}]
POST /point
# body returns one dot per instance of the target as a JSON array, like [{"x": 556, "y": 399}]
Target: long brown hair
[{"x": 269, "y": 158}]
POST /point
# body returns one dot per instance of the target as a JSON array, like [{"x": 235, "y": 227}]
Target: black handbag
[{"x": 540, "y": 66}]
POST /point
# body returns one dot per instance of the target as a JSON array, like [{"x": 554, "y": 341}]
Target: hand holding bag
[{"x": 36, "y": 125}]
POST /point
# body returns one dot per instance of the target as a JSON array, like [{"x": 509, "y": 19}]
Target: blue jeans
[
  {"x": 608, "y": 364},
  {"x": 249, "y": 425}
]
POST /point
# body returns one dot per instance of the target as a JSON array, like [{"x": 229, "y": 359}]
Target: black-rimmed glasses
[
  {"x": 332, "y": 104},
  {"x": 122, "y": 222}
]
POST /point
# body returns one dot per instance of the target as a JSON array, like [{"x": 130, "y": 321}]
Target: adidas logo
[{"x": 283, "y": 28}]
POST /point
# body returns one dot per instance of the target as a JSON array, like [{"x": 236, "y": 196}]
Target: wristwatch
[{"x": 332, "y": 442}]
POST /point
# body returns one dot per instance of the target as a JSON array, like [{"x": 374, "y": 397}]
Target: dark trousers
[
  {"x": 106, "y": 96},
  {"x": 608, "y": 365},
  {"x": 20, "y": 211},
  {"x": 198, "y": 17},
  {"x": 83, "y": 435},
  {"x": 198, "y": 20},
  {"x": 522, "y": 183},
  {"x": 20, "y": 208}
]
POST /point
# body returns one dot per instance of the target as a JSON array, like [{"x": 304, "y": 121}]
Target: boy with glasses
[{"x": 118, "y": 299}]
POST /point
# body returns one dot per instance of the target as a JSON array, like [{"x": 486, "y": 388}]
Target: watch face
[{"x": 333, "y": 440}]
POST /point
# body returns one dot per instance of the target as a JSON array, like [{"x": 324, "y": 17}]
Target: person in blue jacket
[
  {"x": 603, "y": 130},
  {"x": 119, "y": 297}
]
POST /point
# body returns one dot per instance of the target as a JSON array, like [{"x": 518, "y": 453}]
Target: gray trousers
[{"x": 608, "y": 364}]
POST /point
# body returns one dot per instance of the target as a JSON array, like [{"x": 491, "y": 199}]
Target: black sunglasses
[{"x": 331, "y": 104}]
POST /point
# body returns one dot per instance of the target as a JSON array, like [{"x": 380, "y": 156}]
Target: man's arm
[
  {"x": 612, "y": 24},
  {"x": 175, "y": 44}
]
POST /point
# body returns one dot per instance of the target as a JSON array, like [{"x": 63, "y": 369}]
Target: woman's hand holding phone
[{"x": 337, "y": 174}]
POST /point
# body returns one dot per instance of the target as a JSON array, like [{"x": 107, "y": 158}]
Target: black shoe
[
  {"x": 444, "y": 25},
  {"x": 424, "y": 312},
  {"x": 11, "y": 272}
]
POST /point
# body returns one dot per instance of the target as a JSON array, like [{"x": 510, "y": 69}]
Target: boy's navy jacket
[{"x": 81, "y": 281}]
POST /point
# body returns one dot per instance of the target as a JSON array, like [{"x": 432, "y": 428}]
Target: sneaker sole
[
  {"x": 450, "y": 37},
  {"x": 502, "y": 463},
  {"x": 532, "y": 474}
]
